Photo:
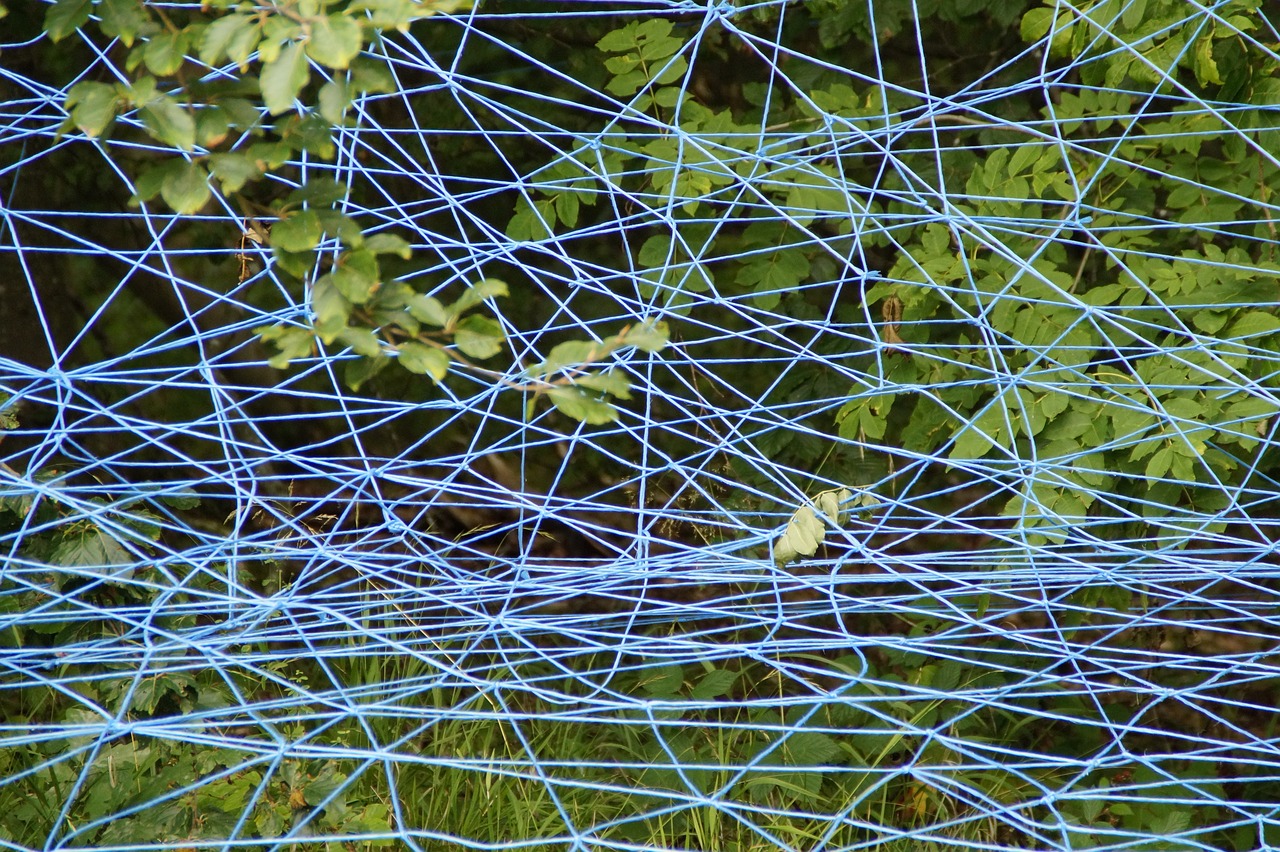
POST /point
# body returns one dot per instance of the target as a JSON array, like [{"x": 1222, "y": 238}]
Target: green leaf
[
  {"x": 124, "y": 19},
  {"x": 318, "y": 192},
  {"x": 233, "y": 170},
  {"x": 332, "y": 309},
  {"x": 648, "y": 336},
  {"x": 284, "y": 78},
  {"x": 91, "y": 548},
  {"x": 612, "y": 382},
  {"x": 334, "y": 101},
  {"x": 166, "y": 52},
  {"x": 224, "y": 32},
  {"x": 151, "y": 179},
  {"x": 428, "y": 309},
  {"x": 169, "y": 122},
  {"x": 489, "y": 288},
  {"x": 571, "y": 353},
  {"x": 335, "y": 41},
  {"x": 93, "y": 106},
  {"x": 356, "y": 275},
  {"x": 186, "y": 189},
  {"x": 425, "y": 360},
  {"x": 478, "y": 337},
  {"x": 211, "y": 127},
  {"x": 290, "y": 342},
  {"x": 714, "y": 684},
  {"x": 360, "y": 370},
  {"x": 582, "y": 406},
  {"x": 300, "y": 232},
  {"x": 65, "y": 17},
  {"x": 811, "y": 748},
  {"x": 361, "y": 340},
  {"x": 388, "y": 244}
]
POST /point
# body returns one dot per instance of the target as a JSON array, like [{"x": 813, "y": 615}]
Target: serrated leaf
[
  {"x": 714, "y": 684},
  {"x": 661, "y": 681},
  {"x": 582, "y": 406},
  {"x": 91, "y": 548},
  {"x": 186, "y": 189},
  {"x": 93, "y": 107},
  {"x": 65, "y": 17},
  {"x": 283, "y": 78},
  {"x": 803, "y": 535},
  {"x": 425, "y": 360},
  {"x": 811, "y": 748},
  {"x": 297, "y": 233},
  {"x": 478, "y": 337},
  {"x": 335, "y": 41},
  {"x": 169, "y": 122}
]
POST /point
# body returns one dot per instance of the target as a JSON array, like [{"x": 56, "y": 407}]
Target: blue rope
[{"x": 332, "y": 616}]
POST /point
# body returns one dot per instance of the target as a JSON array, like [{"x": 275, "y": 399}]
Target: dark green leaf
[
  {"x": 714, "y": 684},
  {"x": 91, "y": 547},
  {"x": 360, "y": 370},
  {"x": 318, "y": 192},
  {"x": 65, "y": 17}
]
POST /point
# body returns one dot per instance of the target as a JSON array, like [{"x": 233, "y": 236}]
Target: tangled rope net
[{"x": 894, "y": 536}]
